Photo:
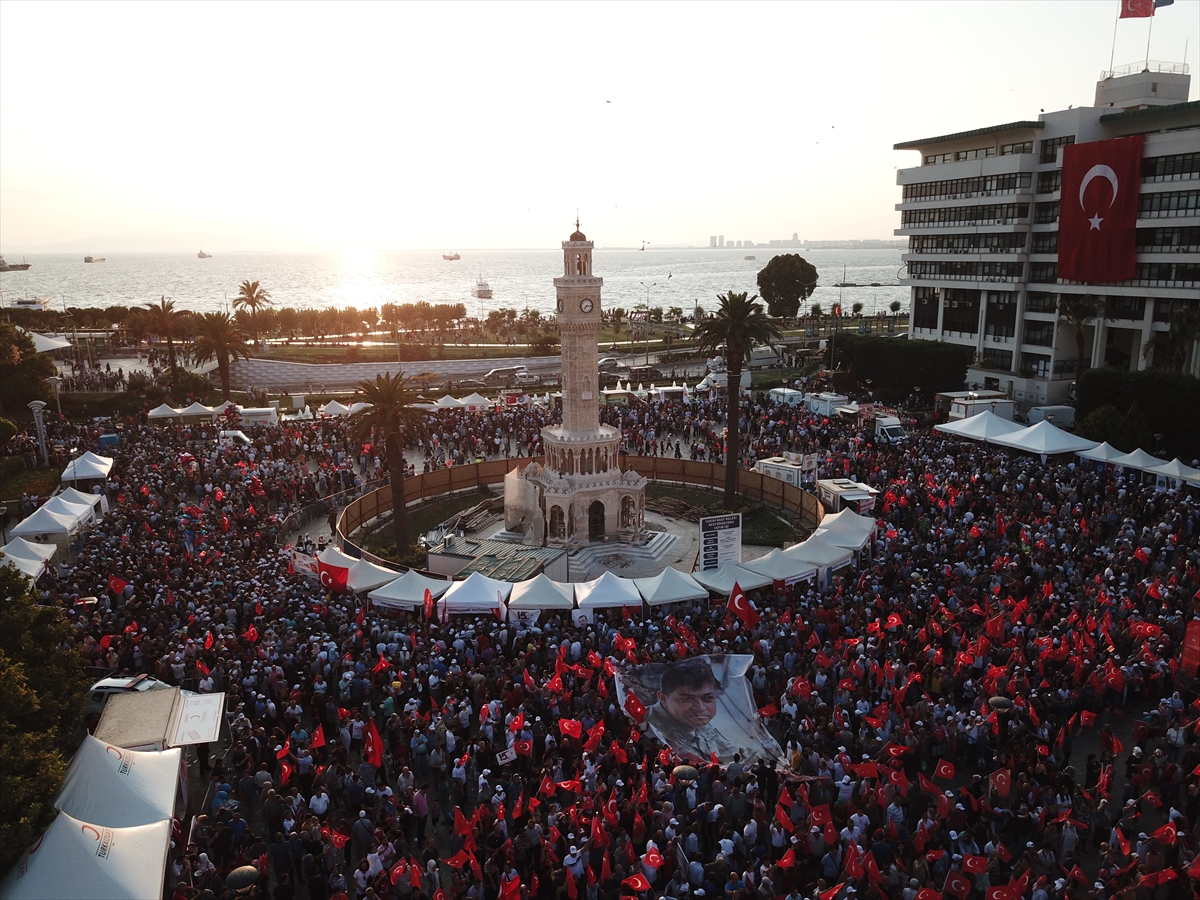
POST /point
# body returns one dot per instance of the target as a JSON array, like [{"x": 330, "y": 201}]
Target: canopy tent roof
[
  {"x": 78, "y": 512},
  {"x": 1177, "y": 470},
  {"x": 359, "y": 406},
  {"x": 222, "y": 406},
  {"x": 163, "y": 411},
  {"x": 1103, "y": 452},
  {"x": 606, "y": 591},
  {"x": 477, "y": 594},
  {"x": 68, "y": 865},
  {"x": 33, "y": 569},
  {"x": 43, "y": 521},
  {"x": 408, "y": 591},
  {"x": 778, "y": 567},
  {"x": 332, "y": 556},
  {"x": 986, "y": 426},
  {"x": 721, "y": 579},
  {"x": 1045, "y": 438},
  {"x": 197, "y": 409},
  {"x": 366, "y": 576},
  {"x": 449, "y": 402},
  {"x": 1138, "y": 459},
  {"x": 97, "y": 502},
  {"x": 333, "y": 408},
  {"x": 477, "y": 401},
  {"x": 119, "y": 788},
  {"x": 86, "y": 466},
  {"x": 670, "y": 586},
  {"x": 540, "y": 592},
  {"x": 820, "y": 553},
  {"x": 28, "y": 549},
  {"x": 846, "y": 529},
  {"x": 43, "y": 343}
]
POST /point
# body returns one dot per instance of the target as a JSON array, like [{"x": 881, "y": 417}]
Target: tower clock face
[
  {"x": 585, "y": 305},
  {"x": 560, "y": 304}
]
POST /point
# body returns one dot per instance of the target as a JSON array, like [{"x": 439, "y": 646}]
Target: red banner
[
  {"x": 1191, "y": 648},
  {"x": 1097, "y": 240}
]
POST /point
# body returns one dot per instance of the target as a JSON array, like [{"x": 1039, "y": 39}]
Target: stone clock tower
[{"x": 579, "y": 493}]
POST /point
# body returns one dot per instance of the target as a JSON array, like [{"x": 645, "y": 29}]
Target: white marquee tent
[
  {"x": 30, "y": 558},
  {"x": 606, "y": 592},
  {"x": 43, "y": 521},
  {"x": 820, "y": 553},
  {"x": 119, "y": 788},
  {"x": 87, "y": 466},
  {"x": 448, "y": 402},
  {"x": 1176, "y": 470},
  {"x": 477, "y": 401},
  {"x": 1138, "y": 459},
  {"x": 670, "y": 586},
  {"x": 722, "y": 579},
  {"x": 76, "y": 860},
  {"x": 98, "y": 502},
  {"x": 781, "y": 567},
  {"x": 366, "y": 576},
  {"x": 1046, "y": 439},
  {"x": 846, "y": 528},
  {"x": 163, "y": 411},
  {"x": 540, "y": 592},
  {"x": 333, "y": 408},
  {"x": 197, "y": 409},
  {"x": 359, "y": 406},
  {"x": 986, "y": 426},
  {"x": 81, "y": 513},
  {"x": 1103, "y": 452},
  {"x": 408, "y": 591},
  {"x": 477, "y": 595},
  {"x": 43, "y": 343}
]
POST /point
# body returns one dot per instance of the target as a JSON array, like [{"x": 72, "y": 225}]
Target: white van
[
  {"x": 504, "y": 374},
  {"x": 106, "y": 687}
]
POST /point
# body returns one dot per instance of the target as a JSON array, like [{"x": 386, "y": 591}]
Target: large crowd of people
[{"x": 929, "y": 700}]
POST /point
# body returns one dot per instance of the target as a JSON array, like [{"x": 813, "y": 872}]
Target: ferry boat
[
  {"x": 483, "y": 290},
  {"x": 451, "y": 256},
  {"x": 13, "y": 267},
  {"x": 40, "y": 304},
  {"x": 203, "y": 255},
  {"x": 748, "y": 257},
  {"x": 94, "y": 259}
]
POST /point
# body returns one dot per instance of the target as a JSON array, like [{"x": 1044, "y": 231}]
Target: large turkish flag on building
[{"x": 1097, "y": 240}]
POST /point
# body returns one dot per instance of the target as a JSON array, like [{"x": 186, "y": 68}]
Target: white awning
[
  {"x": 1138, "y": 459},
  {"x": 607, "y": 591},
  {"x": 779, "y": 566},
  {"x": 1103, "y": 452},
  {"x": 670, "y": 586},
  {"x": 408, "y": 591},
  {"x": 540, "y": 592},
  {"x": 43, "y": 343},
  {"x": 721, "y": 580},
  {"x": 1177, "y": 470},
  {"x": 986, "y": 426},
  {"x": 1044, "y": 438},
  {"x": 366, "y": 576},
  {"x": 119, "y": 788},
  {"x": 478, "y": 595},
  {"x": 163, "y": 411},
  {"x": 820, "y": 553},
  {"x": 333, "y": 408},
  {"x": 43, "y": 521}
]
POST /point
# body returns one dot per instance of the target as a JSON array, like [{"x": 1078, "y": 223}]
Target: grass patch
[
  {"x": 421, "y": 519},
  {"x": 760, "y": 523},
  {"x": 29, "y": 481}
]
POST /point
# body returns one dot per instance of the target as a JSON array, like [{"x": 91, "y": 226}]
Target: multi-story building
[{"x": 980, "y": 214}]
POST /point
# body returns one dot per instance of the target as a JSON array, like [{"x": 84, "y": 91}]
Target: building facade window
[
  {"x": 1034, "y": 365},
  {"x": 1043, "y": 272},
  {"x": 1016, "y": 149},
  {"x": 1177, "y": 167},
  {"x": 1125, "y": 308},
  {"x": 960, "y": 188},
  {"x": 960, "y": 311},
  {"x": 1040, "y": 334},
  {"x": 1168, "y": 240},
  {"x": 1041, "y": 302},
  {"x": 1049, "y": 182},
  {"x": 964, "y": 270},
  {"x": 1000, "y": 214},
  {"x": 1051, "y": 147},
  {"x": 1045, "y": 213},
  {"x": 1011, "y": 242},
  {"x": 1168, "y": 204},
  {"x": 936, "y": 159},
  {"x": 1045, "y": 242},
  {"x": 981, "y": 153},
  {"x": 926, "y": 303},
  {"x": 999, "y": 359}
]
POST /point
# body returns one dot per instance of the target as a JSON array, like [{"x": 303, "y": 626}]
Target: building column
[
  {"x": 1099, "y": 339},
  {"x": 1146, "y": 332}
]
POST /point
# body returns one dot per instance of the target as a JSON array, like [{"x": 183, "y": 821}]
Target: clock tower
[{"x": 578, "y": 494}]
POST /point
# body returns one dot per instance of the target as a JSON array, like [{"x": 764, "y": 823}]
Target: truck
[
  {"x": 826, "y": 403},
  {"x": 785, "y": 395},
  {"x": 762, "y": 357},
  {"x": 965, "y": 407},
  {"x": 781, "y": 467},
  {"x": 890, "y": 429},
  {"x": 1059, "y": 416},
  {"x": 837, "y": 494}
]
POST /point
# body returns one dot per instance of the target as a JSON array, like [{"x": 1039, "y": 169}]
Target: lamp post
[
  {"x": 646, "y": 324},
  {"x": 56, "y": 383},
  {"x": 1157, "y": 443},
  {"x": 3, "y": 523},
  {"x": 37, "y": 407}
]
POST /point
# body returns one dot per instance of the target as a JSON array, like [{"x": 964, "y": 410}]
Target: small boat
[
  {"x": 451, "y": 256},
  {"x": 203, "y": 255},
  {"x": 483, "y": 290},
  {"x": 13, "y": 267},
  {"x": 41, "y": 304},
  {"x": 94, "y": 259},
  {"x": 748, "y": 257}
]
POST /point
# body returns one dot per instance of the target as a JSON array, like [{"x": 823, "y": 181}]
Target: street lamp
[
  {"x": 38, "y": 407},
  {"x": 56, "y": 383},
  {"x": 3, "y": 523},
  {"x": 646, "y": 324}
]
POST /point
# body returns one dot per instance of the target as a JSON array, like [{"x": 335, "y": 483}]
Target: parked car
[
  {"x": 527, "y": 378},
  {"x": 106, "y": 687}
]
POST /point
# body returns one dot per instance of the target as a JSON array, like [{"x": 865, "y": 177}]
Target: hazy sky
[{"x": 297, "y": 126}]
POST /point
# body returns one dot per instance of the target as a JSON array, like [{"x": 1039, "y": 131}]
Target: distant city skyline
[{"x": 357, "y": 127}]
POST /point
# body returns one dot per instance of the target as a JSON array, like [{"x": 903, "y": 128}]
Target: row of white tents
[
  {"x": 196, "y": 410},
  {"x": 832, "y": 546},
  {"x": 113, "y": 831},
  {"x": 1046, "y": 439}
]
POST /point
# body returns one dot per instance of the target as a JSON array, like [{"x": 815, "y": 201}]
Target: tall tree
[
  {"x": 23, "y": 371},
  {"x": 164, "y": 321},
  {"x": 785, "y": 282},
  {"x": 738, "y": 324},
  {"x": 1076, "y": 310},
  {"x": 1183, "y": 328},
  {"x": 40, "y": 709},
  {"x": 250, "y": 297},
  {"x": 218, "y": 338},
  {"x": 390, "y": 418}
]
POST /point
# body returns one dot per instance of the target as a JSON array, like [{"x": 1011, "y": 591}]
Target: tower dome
[{"x": 578, "y": 235}]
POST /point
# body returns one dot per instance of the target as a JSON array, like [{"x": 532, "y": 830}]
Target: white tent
[
  {"x": 780, "y": 567},
  {"x": 1044, "y": 438},
  {"x": 846, "y": 529},
  {"x": 221, "y": 407},
  {"x": 1176, "y": 470},
  {"x": 28, "y": 549},
  {"x": 722, "y": 579},
  {"x": 477, "y": 595},
  {"x": 366, "y": 576},
  {"x": 477, "y": 401},
  {"x": 448, "y": 402},
  {"x": 44, "y": 343},
  {"x": 820, "y": 553},
  {"x": 332, "y": 556},
  {"x": 333, "y": 408},
  {"x": 359, "y": 406},
  {"x": 97, "y": 502},
  {"x": 87, "y": 466},
  {"x": 607, "y": 591},
  {"x": 1104, "y": 452},
  {"x": 33, "y": 569},
  {"x": 540, "y": 592},
  {"x": 408, "y": 591},
  {"x": 197, "y": 409},
  {"x": 986, "y": 426},
  {"x": 118, "y": 788},
  {"x": 43, "y": 521},
  {"x": 670, "y": 586},
  {"x": 76, "y": 860},
  {"x": 1138, "y": 459},
  {"x": 162, "y": 411},
  {"x": 80, "y": 513}
]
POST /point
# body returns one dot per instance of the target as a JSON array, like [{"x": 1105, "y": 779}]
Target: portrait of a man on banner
[{"x": 701, "y": 706}]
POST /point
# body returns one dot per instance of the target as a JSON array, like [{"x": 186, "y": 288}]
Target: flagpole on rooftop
[
  {"x": 1113, "y": 53},
  {"x": 1149, "y": 31}
]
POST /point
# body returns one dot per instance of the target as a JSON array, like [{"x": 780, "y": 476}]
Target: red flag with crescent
[
  {"x": 428, "y": 604},
  {"x": 740, "y": 606},
  {"x": 1097, "y": 239}
]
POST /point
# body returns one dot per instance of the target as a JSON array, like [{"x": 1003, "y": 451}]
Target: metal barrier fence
[
  {"x": 787, "y": 497},
  {"x": 320, "y": 508}
]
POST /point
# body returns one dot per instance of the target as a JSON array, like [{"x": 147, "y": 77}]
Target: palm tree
[
  {"x": 390, "y": 418},
  {"x": 218, "y": 337},
  {"x": 1077, "y": 310},
  {"x": 164, "y": 320},
  {"x": 737, "y": 325},
  {"x": 1182, "y": 331},
  {"x": 251, "y": 296}
]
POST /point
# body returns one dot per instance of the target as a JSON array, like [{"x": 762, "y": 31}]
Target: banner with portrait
[{"x": 700, "y": 706}]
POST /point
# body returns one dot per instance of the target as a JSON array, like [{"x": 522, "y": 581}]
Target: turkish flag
[
  {"x": 789, "y": 859},
  {"x": 957, "y": 884},
  {"x": 372, "y": 744},
  {"x": 318, "y": 737},
  {"x": 740, "y": 607},
  {"x": 928, "y": 894},
  {"x": 1097, "y": 240},
  {"x": 333, "y": 577},
  {"x": 638, "y": 882},
  {"x": 976, "y": 865},
  {"x": 428, "y": 604},
  {"x": 398, "y": 870},
  {"x": 523, "y": 748},
  {"x": 285, "y": 772},
  {"x": 1137, "y": 9},
  {"x": 944, "y": 769},
  {"x": 635, "y": 707},
  {"x": 116, "y": 585},
  {"x": 820, "y": 815},
  {"x": 571, "y": 727},
  {"x": 1166, "y": 834},
  {"x": 1002, "y": 782},
  {"x": 208, "y": 641}
]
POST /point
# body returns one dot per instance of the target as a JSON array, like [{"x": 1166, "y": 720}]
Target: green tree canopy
[
  {"x": 251, "y": 296},
  {"x": 219, "y": 338},
  {"x": 786, "y": 282},
  {"x": 23, "y": 371}
]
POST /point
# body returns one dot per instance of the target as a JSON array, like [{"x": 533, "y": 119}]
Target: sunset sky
[{"x": 298, "y": 126}]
